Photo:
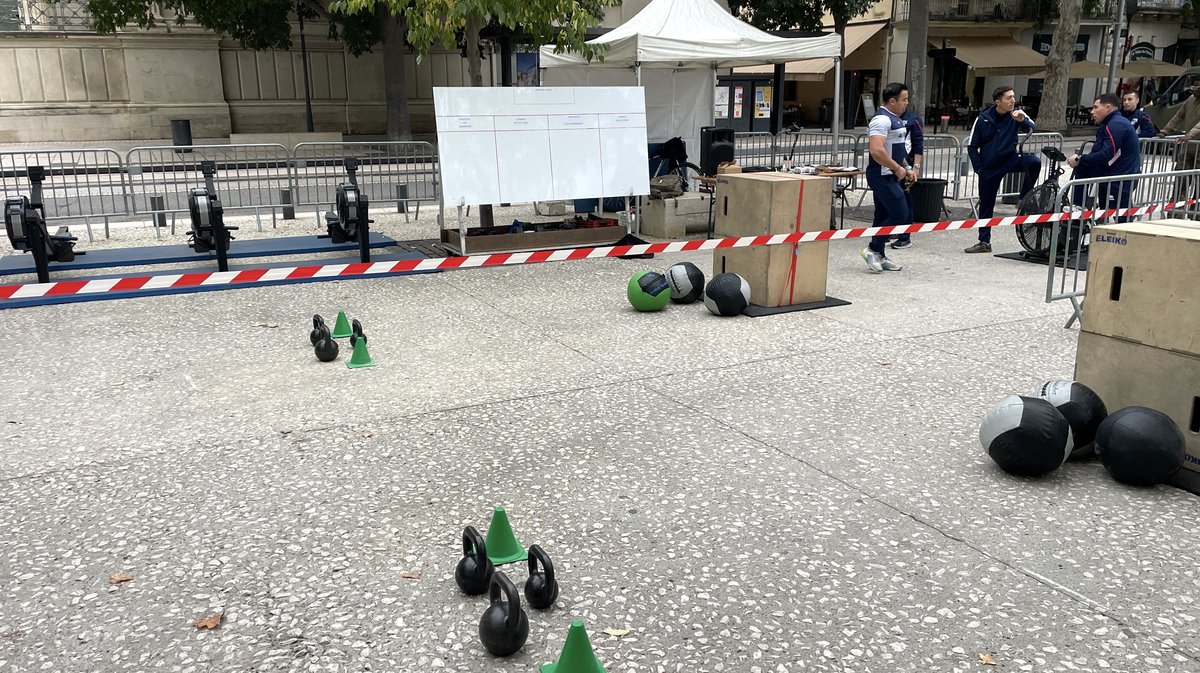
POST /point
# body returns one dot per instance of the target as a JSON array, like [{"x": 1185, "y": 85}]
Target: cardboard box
[
  {"x": 754, "y": 204},
  {"x": 728, "y": 168},
  {"x": 676, "y": 217},
  {"x": 1143, "y": 284},
  {"x": 534, "y": 240},
  {"x": 1124, "y": 374}
]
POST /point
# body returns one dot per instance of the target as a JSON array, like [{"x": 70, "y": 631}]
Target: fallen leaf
[
  {"x": 271, "y": 325},
  {"x": 410, "y": 575},
  {"x": 617, "y": 632},
  {"x": 209, "y": 622},
  {"x": 885, "y": 364},
  {"x": 987, "y": 659},
  {"x": 285, "y": 431},
  {"x": 368, "y": 434},
  {"x": 119, "y": 578}
]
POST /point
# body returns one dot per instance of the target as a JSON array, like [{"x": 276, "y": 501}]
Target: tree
[
  {"x": 362, "y": 25},
  {"x": 800, "y": 15},
  {"x": 918, "y": 45},
  {"x": 563, "y": 22},
  {"x": 1052, "y": 113}
]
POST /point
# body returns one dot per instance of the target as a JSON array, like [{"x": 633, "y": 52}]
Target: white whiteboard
[{"x": 521, "y": 144}]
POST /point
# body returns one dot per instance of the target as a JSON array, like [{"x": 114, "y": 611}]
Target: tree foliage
[
  {"x": 798, "y": 14},
  {"x": 561, "y": 22},
  {"x": 255, "y": 24}
]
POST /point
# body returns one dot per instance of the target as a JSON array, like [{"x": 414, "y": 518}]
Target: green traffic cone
[
  {"x": 360, "y": 357},
  {"x": 341, "y": 328},
  {"x": 577, "y": 655},
  {"x": 502, "y": 545}
]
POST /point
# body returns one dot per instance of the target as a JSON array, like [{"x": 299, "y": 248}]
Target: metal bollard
[
  {"x": 289, "y": 210},
  {"x": 158, "y": 204},
  {"x": 402, "y": 200}
]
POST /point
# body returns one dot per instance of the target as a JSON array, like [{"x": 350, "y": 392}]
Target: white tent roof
[{"x": 692, "y": 32}]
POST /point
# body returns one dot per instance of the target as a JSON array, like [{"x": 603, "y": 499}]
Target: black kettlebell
[
  {"x": 315, "y": 335},
  {"x": 356, "y": 332},
  {"x": 504, "y": 626},
  {"x": 541, "y": 589},
  {"x": 474, "y": 570},
  {"x": 326, "y": 347}
]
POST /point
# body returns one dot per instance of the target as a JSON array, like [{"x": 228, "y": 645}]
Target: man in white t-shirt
[{"x": 887, "y": 171}]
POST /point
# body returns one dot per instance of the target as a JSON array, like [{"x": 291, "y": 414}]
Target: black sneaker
[
  {"x": 979, "y": 247},
  {"x": 902, "y": 244}
]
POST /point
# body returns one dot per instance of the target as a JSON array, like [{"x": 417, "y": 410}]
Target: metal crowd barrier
[
  {"x": 1074, "y": 236},
  {"x": 82, "y": 184},
  {"x": 248, "y": 177},
  {"x": 754, "y": 148},
  {"x": 406, "y": 173},
  {"x": 812, "y": 147}
]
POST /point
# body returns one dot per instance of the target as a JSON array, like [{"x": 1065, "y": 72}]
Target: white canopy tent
[{"x": 673, "y": 48}]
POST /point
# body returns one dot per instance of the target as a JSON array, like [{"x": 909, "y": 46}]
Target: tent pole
[
  {"x": 638, "y": 69},
  {"x": 837, "y": 105}
]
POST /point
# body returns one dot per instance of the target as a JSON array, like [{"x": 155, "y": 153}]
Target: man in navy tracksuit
[
  {"x": 993, "y": 152},
  {"x": 1115, "y": 152},
  {"x": 916, "y": 149},
  {"x": 887, "y": 172},
  {"x": 1137, "y": 116}
]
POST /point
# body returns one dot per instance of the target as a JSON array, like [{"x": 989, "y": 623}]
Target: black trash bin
[
  {"x": 826, "y": 112},
  {"x": 927, "y": 195},
  {"x": 181, "y": 134}
]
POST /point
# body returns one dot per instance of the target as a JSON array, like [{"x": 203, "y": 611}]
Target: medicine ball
[
  {"x": 727, "y": 294},
  {"x": 648, "y": 291},
  {"x": 1140, "y": 446},
  {"x": 687, "y": 282},
  {"x": 1026, "y": 436},
  {"x": 1083, "y": 409}
]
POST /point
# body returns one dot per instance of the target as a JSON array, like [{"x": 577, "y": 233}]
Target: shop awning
[
  {"x": 995, "y": 55},
  {"x": 814, "y": 70}
]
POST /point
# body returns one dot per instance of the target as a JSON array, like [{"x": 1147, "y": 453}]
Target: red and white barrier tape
[{"x": 361, "y": 270}]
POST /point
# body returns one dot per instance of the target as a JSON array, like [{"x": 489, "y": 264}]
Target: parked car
[{"x": 1167, "y": 103}]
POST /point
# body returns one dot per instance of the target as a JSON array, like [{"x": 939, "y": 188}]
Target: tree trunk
[
  {"x": 1052, "y": 114},
  {"x": 918, "y": 46},
  {"x": 475, "y": 74},
  {"x": 472, "y": 35},
  {"x": 394, "y": 27}
]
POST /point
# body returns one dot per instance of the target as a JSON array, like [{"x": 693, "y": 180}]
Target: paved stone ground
[{"x": 803, "y": 492}]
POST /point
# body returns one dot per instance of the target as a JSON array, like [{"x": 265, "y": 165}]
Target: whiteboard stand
[{"x": 462, "y": 227}]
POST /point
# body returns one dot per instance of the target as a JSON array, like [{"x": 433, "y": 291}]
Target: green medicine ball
[{"x": 649, "y": 291}]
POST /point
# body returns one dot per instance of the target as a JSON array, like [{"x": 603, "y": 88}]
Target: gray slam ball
[
  {"x": 727, "y": 294},
  {"x": 1083, "y": 409},
  {"x": 1140, "y": 446},
  {"x": 1026, "y": 436},
  {"x": 687, "y": 282}
]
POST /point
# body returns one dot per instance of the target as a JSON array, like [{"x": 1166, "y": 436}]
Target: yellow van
[{"x": 1167, "y": 103}]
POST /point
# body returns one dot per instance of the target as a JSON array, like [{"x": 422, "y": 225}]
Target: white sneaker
[
  {"x": 889, "y": 265},
  {"x": 874, "y": 260}
]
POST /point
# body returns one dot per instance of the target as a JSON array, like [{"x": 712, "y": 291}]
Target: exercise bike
[{"x": 1040, "y": 200}]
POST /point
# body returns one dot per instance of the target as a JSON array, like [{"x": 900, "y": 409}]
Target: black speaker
[{"x": 716, "y": 147}]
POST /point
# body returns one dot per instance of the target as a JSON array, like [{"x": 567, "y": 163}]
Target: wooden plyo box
[
  {"x": 754, "y": 204},
  {"x": 1143, "y": 284},
  {"x": 675, "y": 217},
  {"x": 1124, "y": 373}
]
